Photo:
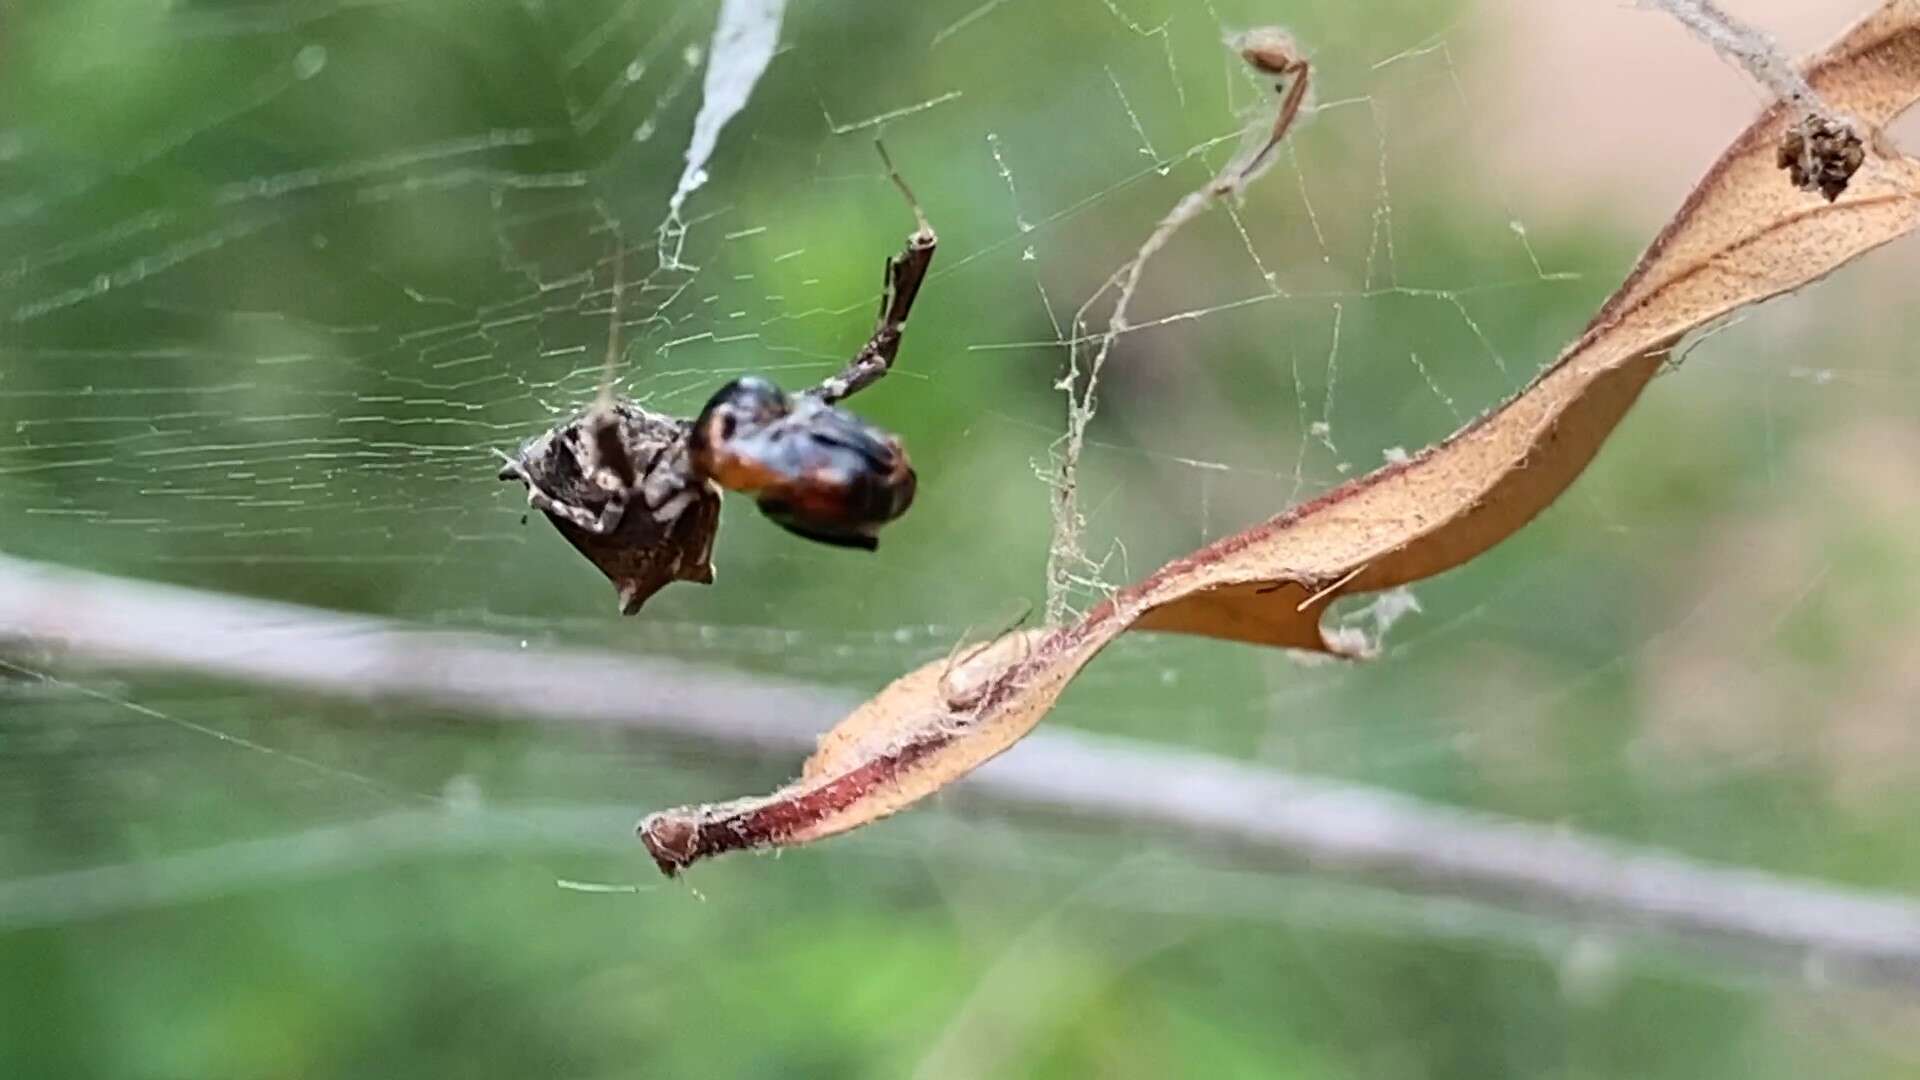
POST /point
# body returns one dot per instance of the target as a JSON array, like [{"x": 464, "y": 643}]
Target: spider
[{"x": 638, "y": 492}]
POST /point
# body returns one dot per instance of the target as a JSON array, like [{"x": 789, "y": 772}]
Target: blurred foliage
[{"x": 280, "y": 276}]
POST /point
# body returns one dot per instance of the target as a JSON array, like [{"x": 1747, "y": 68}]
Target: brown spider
[
  {"x": 638, "y": 492},
  {"x": 1821, "y": 154}
]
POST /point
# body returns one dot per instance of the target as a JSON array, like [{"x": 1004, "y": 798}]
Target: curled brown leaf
[{"x": 1741, "y": 237}]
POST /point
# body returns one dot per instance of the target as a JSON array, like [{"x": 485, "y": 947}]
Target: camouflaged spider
[{"x": 638, "y": 492}]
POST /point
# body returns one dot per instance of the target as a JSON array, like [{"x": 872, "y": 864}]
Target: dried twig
[
  {"x": 1272, "y": 54},
  {"x": 69, "y": 617}
]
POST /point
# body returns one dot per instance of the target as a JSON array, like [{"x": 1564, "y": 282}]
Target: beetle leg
[{"x": 904, "y": 274}]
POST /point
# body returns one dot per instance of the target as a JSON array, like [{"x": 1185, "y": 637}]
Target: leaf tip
[{"x": 672, "y": 839}]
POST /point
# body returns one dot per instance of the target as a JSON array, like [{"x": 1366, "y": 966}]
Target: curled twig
[{"x": 1271, "y": 52}]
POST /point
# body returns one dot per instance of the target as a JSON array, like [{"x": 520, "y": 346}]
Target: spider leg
[
  {"x": 609, "y": 456},
  {"x": 675, "y": 505},
  {"x": 600, "y": 524},
  {"x": 904, "y": 274},
  {"x": 511, "y": 467}
]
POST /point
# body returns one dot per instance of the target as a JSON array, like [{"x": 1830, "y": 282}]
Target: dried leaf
[{"x": 1743, "y": 236}]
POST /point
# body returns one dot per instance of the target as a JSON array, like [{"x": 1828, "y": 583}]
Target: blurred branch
[
  {"x": 1206, "y": 802},
  {"x": 117, "y": 622}
]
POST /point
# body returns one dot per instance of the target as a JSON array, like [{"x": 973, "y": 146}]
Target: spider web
[
  {"x": 310, "y": 391},
  {"x": 272, "y": 304}
]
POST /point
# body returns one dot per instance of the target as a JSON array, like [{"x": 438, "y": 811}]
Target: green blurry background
[{"x": 276, "y": 278}]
